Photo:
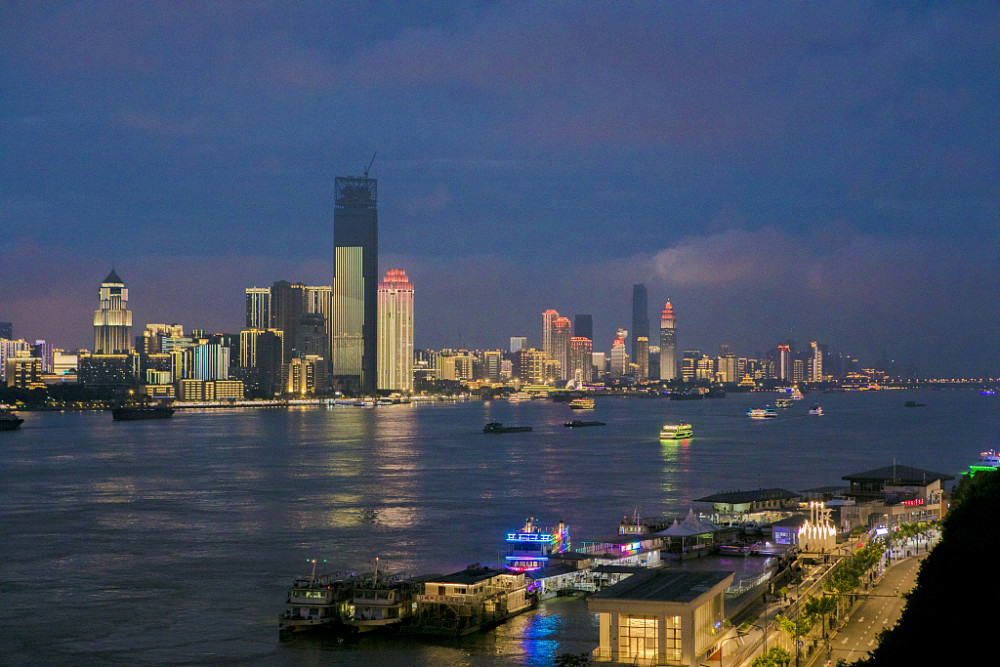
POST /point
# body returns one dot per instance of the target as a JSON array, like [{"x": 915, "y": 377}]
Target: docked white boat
[
  {"x": 519, "y": 396},
  {"x": 762, "y": 413},
  {"x": 319, "y": 602},
  {"x": 676, "y": 431},
  {"x": 383, "y": 604}
]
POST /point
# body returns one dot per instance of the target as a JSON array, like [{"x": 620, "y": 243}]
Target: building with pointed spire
[
  {"x": 668, "y": 344},
  {"x": 113, "y": 320}
]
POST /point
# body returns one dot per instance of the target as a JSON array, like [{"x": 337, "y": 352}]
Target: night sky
[{"x": 812, "y": 171}]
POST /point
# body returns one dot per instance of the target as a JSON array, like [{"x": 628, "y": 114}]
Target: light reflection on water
[{"x": 175, "y": 541}]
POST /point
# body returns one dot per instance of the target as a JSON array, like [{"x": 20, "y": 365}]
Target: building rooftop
[
  {"x": 664, "y": 586},
  {"x": 758, "y": 495},
  {"x": 470, "y": 575},
  {"x": 900, "y": 475}
]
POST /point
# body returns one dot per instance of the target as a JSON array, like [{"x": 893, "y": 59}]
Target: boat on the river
[
  {"x": 762, "y": 413},
  {"x": 319, "y": 602},
  {"x": 676, "y": 431},
  {"x": 988, "y": 460},
  {"x": 530, "y": 547},
  {"x": 784, "y": 402},
  {"x": 8, "y": 420},
  {"x": 913, "y": 404},
  {"x": 383, "y": 603},
  {"x": 816, "y": 410},
  {"x": 578, "y": 423},
  {"x": 496, "y": 427},
  {"x": 143, "y": 410},
  {"x": 582, "y": 404}
]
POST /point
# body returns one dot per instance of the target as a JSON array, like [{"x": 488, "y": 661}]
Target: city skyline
[{"x": 778, "y": 172}]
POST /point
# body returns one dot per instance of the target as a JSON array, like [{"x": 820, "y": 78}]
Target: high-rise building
[
  {"x": 581, "y": 362},
  {"x": 518, "y": 343},
  {"x": 113, "y": 320},
  {"x": 354, "y": 310},
  {"x": 619, "y": 358},
  {"x": 816, "y": 363},
  {"x": 7, "y": 330},
  {"x": 562, "y": 332},
  {"x": 258, "y": 308},
  {"x": 668, "y": 344},
  {"x": 785, "y": 362},
  {"x": 395, "y": 332},
  {"x": 548, "y": 318},
  {"x": 642, "y": 358},
  {"x": 583, "y": 326},
  {"x": 288, "y": 304},
  {"x": 640, "y": 320}
]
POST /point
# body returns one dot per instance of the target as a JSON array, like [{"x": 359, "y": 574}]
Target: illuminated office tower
[
  {"x": 548, "y": 318},
  {"x": 492, "y": 365},
  {"x": 395, "y": 332},
  {"x": 816, "y": 365},
  {"x": 258, "y": 308},
  {"x": 785, "y": 362},
  {"x": 668, "y": 344},
  {"x": 518, "y": 343},
  {"x": 210, "y": 361},
  {"x": 318, "y": 302},
  {"x": 640, "y": 321},
  {"x": 619, "y": 358},
  {"x": 113, "y": 320},
  {"x": 642, "y": 357},
  {"x": 562, "y": 332},
  {"x": 581, "y": 363},
  {"x": 354, "y": 309}
]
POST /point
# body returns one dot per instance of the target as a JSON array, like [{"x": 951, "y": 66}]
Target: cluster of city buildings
[{"x": 356, "y": 336}]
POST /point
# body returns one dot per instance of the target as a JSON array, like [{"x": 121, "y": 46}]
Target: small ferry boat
[
  {"x": 582, "y": 404},
  {"x": 519, "y": 396},
  {"x": 137, "y": 411},
  {"x": 762, "y": 413},
  {"x": 577, "y": 423},
  {"x": 676, "y": 431},
  {"x": 8, "y": 420},
  {"x": 530, "y": 547},
  {"x": 988, "y": 460},
  {"x": 796, "y": 394},
  {"x": 318, "y": 603},
  {"x": 496, "y": 427},
  {"x": 784, "y": 402},
  {"x": 816, "y": 410},
  {"x": 383, "y": 603}
]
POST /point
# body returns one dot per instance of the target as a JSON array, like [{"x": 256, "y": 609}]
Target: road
[{"x": 859, "y": 634}]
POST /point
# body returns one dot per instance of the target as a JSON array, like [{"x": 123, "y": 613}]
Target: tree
[
  {"x": 775, "y": 657},
  {"x": 822, "y": 607},
  {"x": 796, "y": 628}
]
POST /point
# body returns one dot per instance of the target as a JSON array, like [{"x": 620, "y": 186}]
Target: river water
[{"x": 173, "y": 542}]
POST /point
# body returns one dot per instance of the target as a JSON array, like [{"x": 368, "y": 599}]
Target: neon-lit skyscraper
[
  {"x": 258, "y": 308},
  {"x": 548, "y": 318},
  {"x": 113, "y": 320},
  {"x": 395, "y": 332},
  {"x": 354, "y": 308},
  {"x": 562, "y": 332},
  {"x": 785, "y": 362},
  {"x": 816, "y": 363},
  {"x": 668, "y": 344}
]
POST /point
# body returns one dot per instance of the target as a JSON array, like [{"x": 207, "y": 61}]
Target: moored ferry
[
  {"x": 8, "y": 420},
  {"x": 582, "y": 404},
  {"x": 319, "y": 602},
  {"x": 676, "y": 431},
  {"x": 383, "y": 603},
  {"x": 530, "y": 547},
  {"x": 762, "y": 413}
]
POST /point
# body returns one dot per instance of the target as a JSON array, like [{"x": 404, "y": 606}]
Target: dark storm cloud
[{"x": 768, "y": 167}]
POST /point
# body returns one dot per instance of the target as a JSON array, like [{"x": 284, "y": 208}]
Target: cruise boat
[
  {"x": 578, "y": 423},
  {"x": 319, "y": 602},
  {"x": 530, "y": 547},
  {"x": 8, "y": 420},
  {"x": 816, "y": 410},
  {"x": 519, "y": 396},
  {"x": 796, "y": 394},
  {"x": 676, "y": 431},
  {"x": 582, "y": 404},
  {"x": 988, "y": 460},
  {"x": 784, "y": 402},
  {"x": 762, "y": 413}
]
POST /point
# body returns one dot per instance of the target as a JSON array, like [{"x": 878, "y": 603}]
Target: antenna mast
[{"x": 368, "y": 168}]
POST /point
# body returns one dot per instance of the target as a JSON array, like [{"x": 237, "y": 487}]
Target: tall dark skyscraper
[
  {"x": 640, "y": 317},
  {"x": 353, "y": 331},
  {"x": 583, "y": 326}
]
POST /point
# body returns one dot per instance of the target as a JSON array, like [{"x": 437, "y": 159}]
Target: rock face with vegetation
[{"x": 957, "y": 587}]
